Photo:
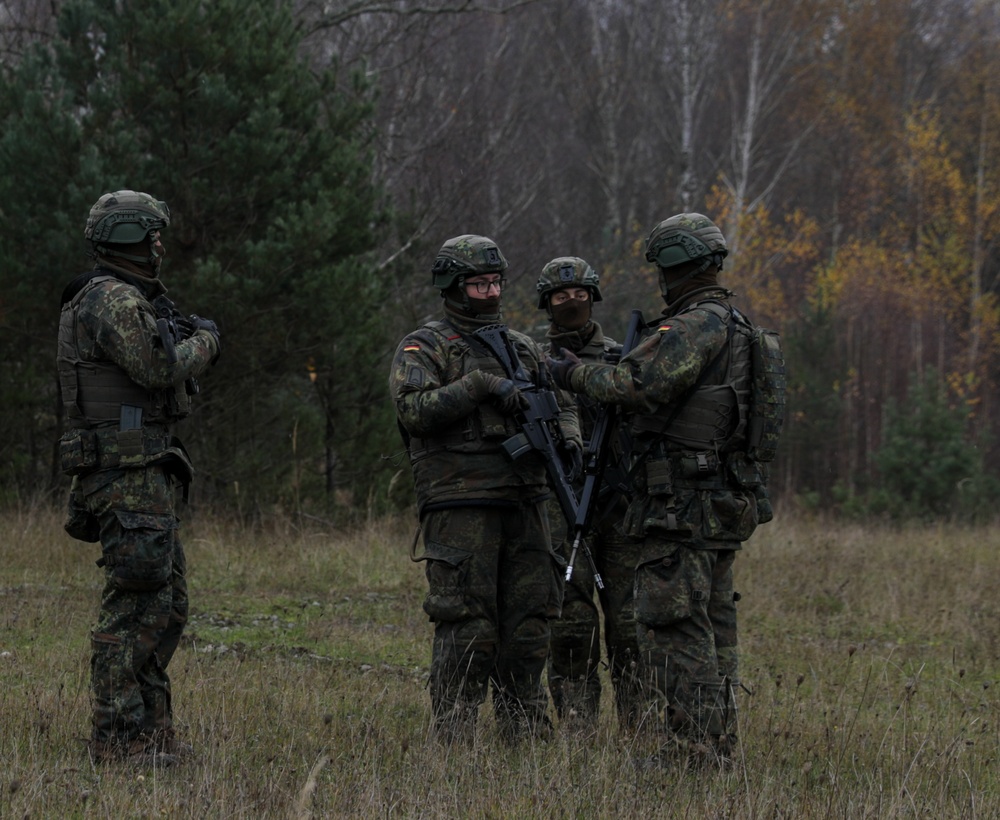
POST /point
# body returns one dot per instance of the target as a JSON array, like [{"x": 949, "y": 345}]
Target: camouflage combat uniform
[
  {"x": 687, "y": 386},
  {"x": 113, "y": 367},
  {"x": 575, "y": 654},
  {"x": 493, "y": 579}
]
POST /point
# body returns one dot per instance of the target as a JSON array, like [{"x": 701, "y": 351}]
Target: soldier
[
  {"x": 567, "y": 289},
  {"x": 493, "y": 580},
  {"x": 124, "y": 381},
  {"x": 688, "y": 387}
]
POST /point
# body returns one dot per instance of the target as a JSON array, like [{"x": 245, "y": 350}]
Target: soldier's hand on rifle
[
  {"x": 504, "y": 394},
  {"x": 573, "y": 456},
  {"x": 501, "y": 393},
  {"x": 562, "y": 368},
  {"x": 199, "y": 323},
  {"x": 185, "y": 328}
]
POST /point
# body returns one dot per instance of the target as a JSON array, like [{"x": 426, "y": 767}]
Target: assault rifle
[
  {"x": 538, "y": 420},
  {"x": 595, "y": 463},
  {"x": 173, "y": 327}
]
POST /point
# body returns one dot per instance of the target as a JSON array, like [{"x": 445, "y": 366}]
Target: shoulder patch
[
  {"x": 411, "y": 348},
  {"x": 664, "y": 328},
  {"x": 414, "y": 377}
]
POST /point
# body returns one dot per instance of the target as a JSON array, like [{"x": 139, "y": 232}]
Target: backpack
[
  {"x": 766, "y": 414},
  {"x": 768, "y": 394}
]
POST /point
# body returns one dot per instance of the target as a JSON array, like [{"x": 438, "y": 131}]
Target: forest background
[{"x": 315, "y": 156}]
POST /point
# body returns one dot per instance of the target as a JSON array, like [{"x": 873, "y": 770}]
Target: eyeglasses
[
  {"x": 483, "y": 288},
  {"x": 563, "y": 296}
]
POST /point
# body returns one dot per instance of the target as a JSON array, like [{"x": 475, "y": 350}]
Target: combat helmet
[
  {"x": 683, "y": 238},
  {"x": 125, "y": 218},
  {"x": 466, "y": 255},
  {"x": 567, "y": 272}
]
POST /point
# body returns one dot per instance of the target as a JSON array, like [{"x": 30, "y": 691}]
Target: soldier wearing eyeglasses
[{"x": 494, "y": 581}]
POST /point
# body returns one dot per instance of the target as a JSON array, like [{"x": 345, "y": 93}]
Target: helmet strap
[{"x": 456, "y": 295}]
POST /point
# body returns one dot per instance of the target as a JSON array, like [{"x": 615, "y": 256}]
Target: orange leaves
[{"x": 773, "y": 264}]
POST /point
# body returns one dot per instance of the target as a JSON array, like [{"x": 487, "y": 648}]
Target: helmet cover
[
  {"x": 567, "y": 272},
  {"x": 125, "y": 218},
  {"x": 466, "y": 255},
  {"x": 683, "y": 238}
]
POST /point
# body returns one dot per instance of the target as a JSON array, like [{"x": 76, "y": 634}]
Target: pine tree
[{"x": 265, "y": 163}]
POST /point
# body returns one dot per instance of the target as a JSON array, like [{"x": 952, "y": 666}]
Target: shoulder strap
[{"x": 80, "y": 283}]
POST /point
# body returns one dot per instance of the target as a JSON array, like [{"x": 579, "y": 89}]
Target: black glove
[
  {"x": 573, "y": 454},
  {"x": 503, "y": 394},
  {"x": 185, "y": 329},
  {"x": 614, "y": 355},
  {"x": 562, "y": 368},
  {"x": 198, "y": 323}
]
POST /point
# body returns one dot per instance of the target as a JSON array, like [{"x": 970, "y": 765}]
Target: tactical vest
[
  {"x": 485, "y": 429},
  {"x": 113, "y": 422},
  {"x": 94, "y": 391},
  {"x": 467, "y": 463},
  {"x": 712, "y": 417}
]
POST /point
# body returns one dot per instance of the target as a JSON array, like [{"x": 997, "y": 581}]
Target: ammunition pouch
[
  {"x": 107, "y": 448},
  {"x": 664, "y": 474},
  {"x": 686, "y": 494}
]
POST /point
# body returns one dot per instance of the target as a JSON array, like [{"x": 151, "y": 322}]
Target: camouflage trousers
[
  {"x": 685, "y": 610},
  {"x": 493, "y": 584},
  {"x": 575, "y": 650},
  {"x": 144, "y": 604}
]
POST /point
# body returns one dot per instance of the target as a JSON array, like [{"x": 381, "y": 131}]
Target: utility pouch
[
  {"x": 81, "y": 524},
  {"x": 131, "y": 451},
  {"x": 765, "y": 512},
  {"x": 492, "y": 423},
  {"x": 659, "y": 478},
  {"x": 748, "y": 474},
  {"x": 78, "y": 452}
]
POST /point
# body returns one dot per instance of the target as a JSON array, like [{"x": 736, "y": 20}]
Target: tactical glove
[
  {"x": 573, "y": 456},
  {"x": 501, "y": 393},
  {"x": 185, "y": 329},
  {"x": 562, "y": 368},
  {"x": 198, "y": 323},
  {"x": 613, "y": 356}
]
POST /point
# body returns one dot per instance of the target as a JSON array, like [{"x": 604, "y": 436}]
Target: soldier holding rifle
[
  {"x": 127, "y": 362},
  {"x": 493, "y": 579}
]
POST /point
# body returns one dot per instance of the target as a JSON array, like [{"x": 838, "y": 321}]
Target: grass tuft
[{"x": 870, "y": 667}]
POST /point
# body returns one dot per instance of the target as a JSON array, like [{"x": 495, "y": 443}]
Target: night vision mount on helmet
[
  {"x": 466, "y": 255},
  {"x": 567, "y": 272}
]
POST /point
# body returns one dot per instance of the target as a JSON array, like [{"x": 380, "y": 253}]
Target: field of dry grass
[{"x": 872, "y": 657}]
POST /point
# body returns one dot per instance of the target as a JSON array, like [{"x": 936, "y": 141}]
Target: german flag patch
[
  {"x": 663, "y": 328},
  {"x": 411, "y": 349}
]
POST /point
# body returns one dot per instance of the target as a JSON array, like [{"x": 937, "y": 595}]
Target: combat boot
[
  {"x": 457, "y": 725},
  {"x": 139, "y": 752},
  {"x": 577, "y": 704},
  {"x": 165, "y": 741}
]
